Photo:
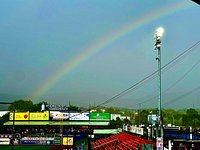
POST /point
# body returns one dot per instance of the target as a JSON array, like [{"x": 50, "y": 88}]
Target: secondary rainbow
[{"x": 105, "y": 41}]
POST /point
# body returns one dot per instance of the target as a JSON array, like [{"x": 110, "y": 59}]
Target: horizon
[{"x": 89, "y": 52}]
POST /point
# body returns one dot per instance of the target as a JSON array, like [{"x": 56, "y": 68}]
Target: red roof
[{"x": 121, "y": 141}]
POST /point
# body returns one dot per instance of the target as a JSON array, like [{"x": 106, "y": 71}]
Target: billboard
[
  {"x": 39, "y": 115},
  {"x": 152, "y": 119},
  {"x": 20, "y": 116},
  {"x": 159, "y": 143},
  {"x": 4, "y": 141},
  {"x": 133, "y": 129},
  {"x": 37, "y": 141},
  {"x": 68, "y": 141},
  {"x": 79, "y": 116},
  {"x": 137, "y": 130},
  {"x": 98, "y": 116},
  {"x": 57, "y": 115}
]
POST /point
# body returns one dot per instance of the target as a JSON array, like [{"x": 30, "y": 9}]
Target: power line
[
  {"x": 174, "y": 84},
  {"x": 147, "y": 78},
  {"x": 180, "y": 97},
  {"x": 151, "y": 76}
]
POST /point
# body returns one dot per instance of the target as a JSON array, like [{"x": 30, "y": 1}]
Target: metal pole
[
  {"x": 13, "y": 128},
  {"x": 160, "y": 132},
  {"x": 159, "y": 140},
  {"x": 159, "y": 83}
]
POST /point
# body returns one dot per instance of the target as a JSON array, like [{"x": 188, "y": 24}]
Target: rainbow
[{"x": 91, "y": 50}]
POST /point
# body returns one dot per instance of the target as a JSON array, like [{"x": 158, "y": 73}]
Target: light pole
[{"x": 159, "y": 141}]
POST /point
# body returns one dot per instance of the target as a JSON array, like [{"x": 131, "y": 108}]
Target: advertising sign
[
  {"x": 79, "y": 116},
  {"x": 159, "y": 143},
  {"x": 57, "y": 140},
  {"x": 57, "y": 115},
  {"x": 68, "y": 140},
  {"x": 137, "y": 130},
  {"x": 37, "y": 141},
  {"x": 4, "y": 141},
  {"x": 57, "y": 107},
  {"x": 133, "y": 129},
  {"x": 100, "y": 116},
  {"x": 39, "y": 115},
  {"x": 20, "y": 116},
  {"x": 152, "y": 119}
]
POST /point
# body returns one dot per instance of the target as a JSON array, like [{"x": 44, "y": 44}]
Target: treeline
[{"x": 187, "y": 117}]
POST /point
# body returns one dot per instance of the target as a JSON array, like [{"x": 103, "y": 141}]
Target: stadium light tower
[{"x": 159, "y": 140}]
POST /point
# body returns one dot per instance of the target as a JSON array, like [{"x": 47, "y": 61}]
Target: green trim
[
  {"x": 107, "y": 131},
  {"x": 52, "y": 123}
]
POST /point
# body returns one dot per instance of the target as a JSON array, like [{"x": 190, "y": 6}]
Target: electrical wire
[
  {"x": 174, "y": 84},
  {"x": 148, "y": 78},
  {"x": 180, "y": 97},
  {"x": 151, "y": 76}
]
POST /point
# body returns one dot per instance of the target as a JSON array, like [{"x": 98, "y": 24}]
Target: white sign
[
  {"x": 79, "y": 116},
  {"x": 4, "y": 141},
  {"x": 57, "y": 115},
  {"x": 159, "y": 143},
  {"x": 57, "y": 107},
  {"x": 137, "y": 130},
  {"x": 133, "y": 129}
]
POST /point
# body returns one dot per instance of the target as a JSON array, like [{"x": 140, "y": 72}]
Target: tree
[
  {"x": 126, "y": 121},
  {"x": 169, "y": 116},
  {"x": 191, "y": 118},
  {"x": 73, "y": 108},
  {"x": 144, "y": 117},
  {"x": 118, "y": 123},
  {"x": 21, "y": 105},
  {"x": 113, "y": 110},
  {"x": 4, "y": 118},
  {"x": 37, "y": 107}
]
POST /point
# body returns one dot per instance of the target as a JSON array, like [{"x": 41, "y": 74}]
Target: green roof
[{"x": 66, "y": 123}]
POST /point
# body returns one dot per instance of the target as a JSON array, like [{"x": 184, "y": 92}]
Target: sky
[{"x": 86, "y": 52}]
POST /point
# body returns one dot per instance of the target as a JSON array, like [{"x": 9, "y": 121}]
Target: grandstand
[{"x": 67, "y": 130}]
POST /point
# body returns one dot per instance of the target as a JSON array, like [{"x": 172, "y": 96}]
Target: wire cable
[
  {"x": 174, "y": 84},
  {"x": 147, "y": 78},
  {"x": 151, "y": 76},
  {"x": 180, "y": 97}
]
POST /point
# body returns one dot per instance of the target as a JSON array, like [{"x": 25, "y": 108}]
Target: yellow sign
[
  {"x": 67, "y": 141},
  {"x": 39, "y": 116},
  {"x": 20, "y": 116}
]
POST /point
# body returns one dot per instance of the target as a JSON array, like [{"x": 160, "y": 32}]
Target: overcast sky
[{"x": 87, "y": 51}]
